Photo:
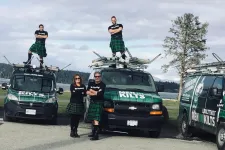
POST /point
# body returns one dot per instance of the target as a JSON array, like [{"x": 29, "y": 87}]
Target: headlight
[
  {"x": 155, "y": 107},
  {"x": 12, "y": 97},
  {"x": 51, "y": 100}
]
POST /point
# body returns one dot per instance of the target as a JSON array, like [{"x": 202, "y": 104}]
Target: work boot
[
  {"x": 72, "y": 133},
  {"x": 95, "y": 137},
  {"x": 75, "y": 134},
  {"x": 92, "y": 132},
  {"x": 41, "y": 64},
  {"x": 29, "y": 59}
]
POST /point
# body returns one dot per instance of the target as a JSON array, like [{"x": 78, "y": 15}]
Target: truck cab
[
  {"x": 131, "y": 101},
  {"x": 32, "y": 94}
]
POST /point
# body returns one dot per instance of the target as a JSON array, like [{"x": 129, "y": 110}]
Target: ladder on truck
[
  {"x": 211, "y": 68},
  {"x": 118, "y": 62},
  {"x": 34, "y": 68}
]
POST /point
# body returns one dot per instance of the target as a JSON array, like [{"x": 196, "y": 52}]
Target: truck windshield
[
  {"x": 32, "y": 83},
  {"x": 128, "y": 80}
]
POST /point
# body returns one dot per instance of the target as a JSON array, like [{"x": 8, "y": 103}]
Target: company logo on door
[{"x": 131, "y": 94}]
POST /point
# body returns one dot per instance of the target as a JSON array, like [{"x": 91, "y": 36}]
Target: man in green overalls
[
  {"x": 116, "y": 43},
  {"x": 39, "y": 46}
]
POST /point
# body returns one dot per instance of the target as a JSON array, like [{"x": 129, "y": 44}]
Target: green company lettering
[{"x": 131, "y": 94}]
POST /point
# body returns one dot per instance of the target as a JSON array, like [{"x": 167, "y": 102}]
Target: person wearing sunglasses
[
  {"x": 76, "y": 106},
  {"x": 96, "y": 92}
]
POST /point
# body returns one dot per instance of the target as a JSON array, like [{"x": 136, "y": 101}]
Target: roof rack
[
  {"x": 212, "y": 68},
  {"x": 33, "y": 68},
  {"x": 118, "y": 62}
]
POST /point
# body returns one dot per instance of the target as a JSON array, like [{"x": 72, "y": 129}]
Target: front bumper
[
  {"x": 44, "y": 111},
  {"x": 113, "y": 121}
]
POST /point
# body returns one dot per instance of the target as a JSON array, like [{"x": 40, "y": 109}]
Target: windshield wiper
[
  {"x": 139, "y": 90},
  {"x": 112, "y": 88}
]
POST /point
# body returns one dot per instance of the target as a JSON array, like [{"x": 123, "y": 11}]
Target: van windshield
[
  {"x": 32, "y": 83},
  {"x": 128, "y": 80}
]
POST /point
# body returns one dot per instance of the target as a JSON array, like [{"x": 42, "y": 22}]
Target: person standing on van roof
[
  {"x": 76, "y": 106},
  {"x": 116, "y": 43},
  {"x": 39, "y": 46},
  {"x": 96, "y": 91}
]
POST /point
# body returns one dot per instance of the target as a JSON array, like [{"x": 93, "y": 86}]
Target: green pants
[
  {"x": 75, "y": 109},
  {"x": 38, "y": 48},
  {"x": 95, "y": 111},
  {"x": 117, "y": 45}
]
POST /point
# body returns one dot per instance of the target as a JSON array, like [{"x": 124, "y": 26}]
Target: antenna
[
  {"x": 7, "y": 60},
  {"x": 65, "y": 67}
]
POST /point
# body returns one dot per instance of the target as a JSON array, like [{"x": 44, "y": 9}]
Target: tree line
[{"x": 66, "y": 77}]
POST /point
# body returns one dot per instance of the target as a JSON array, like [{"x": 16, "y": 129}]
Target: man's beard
[{"x": 113, "y": 22}]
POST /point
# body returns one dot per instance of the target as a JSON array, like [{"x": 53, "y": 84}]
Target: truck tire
[
  {"x": 184, "y": 128},
  {"x": 220, "y": 136},
  {"x": 154, "y": 134},
  {"x": 165, "y": 114},
  {"x": 5, "y": 118}
]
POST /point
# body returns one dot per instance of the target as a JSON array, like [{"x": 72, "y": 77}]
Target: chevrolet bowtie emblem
[{"x": 132, "y": 108}]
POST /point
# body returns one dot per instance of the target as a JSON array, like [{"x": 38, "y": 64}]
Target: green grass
[
  {"x": 171, "y": 105},
  {"x": 172, "y": 108}
]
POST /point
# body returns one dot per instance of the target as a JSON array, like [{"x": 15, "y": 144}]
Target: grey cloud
[
  {"x": 68, "y": 46},
  {"x": 83, "y": 47},
  {"x": 69, "y": 20}
]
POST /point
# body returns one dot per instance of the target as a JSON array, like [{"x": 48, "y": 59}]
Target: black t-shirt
[
  {"x": 38, "y": 32},
  {"x": 100, "y": 87},
  {"x": 77, "y": 93},
  {"x": 118, "y": 35}
]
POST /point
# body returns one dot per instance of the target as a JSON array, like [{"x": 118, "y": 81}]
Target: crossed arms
[
  {"x": 92, "y": 92},
  {"x": 115, "y": 30},
  {"x": 41, "y": 36}
]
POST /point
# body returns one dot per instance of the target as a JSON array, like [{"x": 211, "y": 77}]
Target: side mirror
[
  {"x": 215, "y": 92},
  {"x": 4, "y": 86},
  {"x": 160, "y": 88},
  {"x": 60, "y": 91}
]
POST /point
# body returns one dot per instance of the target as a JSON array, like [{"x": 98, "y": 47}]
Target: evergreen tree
[{"x": 186, "y": 45}]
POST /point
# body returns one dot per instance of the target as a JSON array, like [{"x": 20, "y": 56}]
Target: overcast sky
[{"x": 76, "y": 28}]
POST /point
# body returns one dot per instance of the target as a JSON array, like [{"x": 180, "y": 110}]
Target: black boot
[
  {"x": 92, "y": 132},
  {"x": 95, "y": 137},
  {"x": 41, "y": 64},
  {"x": 75, "y": 134},
  {"x": 29, "y": 59},
  {"x": 72, "y": 133}
]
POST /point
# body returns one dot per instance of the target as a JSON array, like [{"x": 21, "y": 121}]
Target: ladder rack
[
  {"x": 119, "y": 62},
  {"x": 33, "y": 68}
]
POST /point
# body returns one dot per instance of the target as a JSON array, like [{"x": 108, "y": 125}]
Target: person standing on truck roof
[
  {"x": 116, "y": 43},
  {"x": 76, "y": 106},
  {"x": 96, "y": 91},
  {"x": 39, "y": 46}
]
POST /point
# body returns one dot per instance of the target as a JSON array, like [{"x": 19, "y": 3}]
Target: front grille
[
  {"x": 140, "y": 109},
  {"x": 32, "y": 105}
]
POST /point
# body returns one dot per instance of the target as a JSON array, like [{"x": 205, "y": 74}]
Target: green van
[
  {"x": 132, "y": 102},
  {"x": 202, "y": 102},
  {"x": 31, "y": 94}
]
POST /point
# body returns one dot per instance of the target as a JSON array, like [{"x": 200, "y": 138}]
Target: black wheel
[
  {"x": 165, "y": 113},
  {"x": 220, "y": 136},
  {"x": 184, "y": 128},
  {"x": 154, "y": 134},
  {"x": 5, "y": 118},
  {"x": 54, "y": 120}
]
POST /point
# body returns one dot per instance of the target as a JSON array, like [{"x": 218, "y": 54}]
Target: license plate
[
  {"x": 132, "y": 123},
  {"x": 30, "y": 112}
]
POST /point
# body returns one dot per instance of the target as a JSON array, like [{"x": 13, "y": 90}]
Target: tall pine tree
[{"x": 187, "y": 45}]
